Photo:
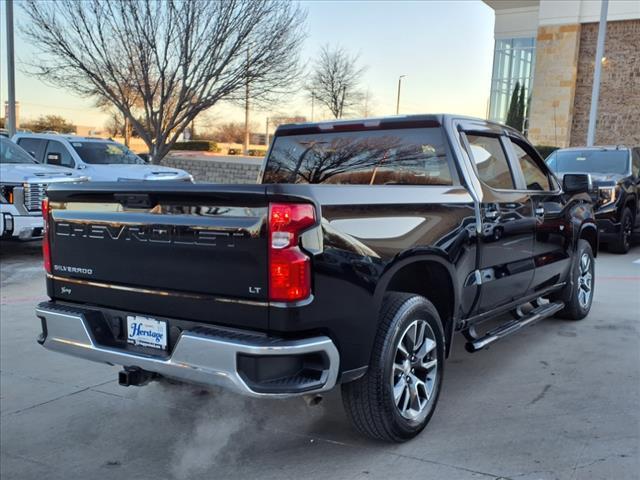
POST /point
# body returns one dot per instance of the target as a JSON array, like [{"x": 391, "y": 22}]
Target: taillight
[
  {"x": 46, "y": 248},
  {"x": 289, "y": 267}
]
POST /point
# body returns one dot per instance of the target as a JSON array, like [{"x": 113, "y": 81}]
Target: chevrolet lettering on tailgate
[{"x": 147, "y": 233}]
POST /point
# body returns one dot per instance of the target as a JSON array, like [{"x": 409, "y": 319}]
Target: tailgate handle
[{"x": 134, "y": 200}]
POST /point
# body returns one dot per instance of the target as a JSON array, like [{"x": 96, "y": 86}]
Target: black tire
[
  {"x": 369, "y": 401},
  {"x": 575, "y": 308},
  {"x": 622, "y": 244}
]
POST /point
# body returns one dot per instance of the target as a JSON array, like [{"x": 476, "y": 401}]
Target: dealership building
[{"x": 549, "y": 48}]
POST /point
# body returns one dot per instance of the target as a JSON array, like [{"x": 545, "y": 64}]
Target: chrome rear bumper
[{"x": 197, "y": 357}]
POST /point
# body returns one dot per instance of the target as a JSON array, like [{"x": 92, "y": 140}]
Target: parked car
[
  {"x": 97, "y": 158},
  {"x": 615, "y": 172},
  {"x": 354, "y": 261},
  {"x": 23, "y": 183}
]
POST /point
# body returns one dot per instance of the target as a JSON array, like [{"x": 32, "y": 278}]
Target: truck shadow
[
  {"x": 20, "y": 261},
  {"x": 12, "y": 251},
  {"x": 220, "y": 430}
]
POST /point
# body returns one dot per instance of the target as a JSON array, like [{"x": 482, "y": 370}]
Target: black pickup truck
[
  {"x": 615, "y": 172},
  {"x": 365, "y": 246}
]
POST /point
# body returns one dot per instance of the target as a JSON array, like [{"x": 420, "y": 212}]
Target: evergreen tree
[
  {"x": 521, "y": 107},
  {"x": 527, "y": 111},
  {"x": 512, "y": 113}
]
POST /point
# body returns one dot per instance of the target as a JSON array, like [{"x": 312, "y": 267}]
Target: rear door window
[
  {"x": 491, "y": 161},
  {"x": 34, "y": 146},
  {"x": 412, "y": 156}
]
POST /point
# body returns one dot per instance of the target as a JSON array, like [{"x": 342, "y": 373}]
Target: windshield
[
  {"x": 12, "y": 153},
  {"x": 106, "y": 153},
  {"x": 412, "y": 156},
  {"x": 590, "y": 161}
]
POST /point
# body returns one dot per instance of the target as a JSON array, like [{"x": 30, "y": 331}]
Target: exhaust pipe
[
  {"x": 133, "y": 376},
  {"x": 313, "y": 400}
]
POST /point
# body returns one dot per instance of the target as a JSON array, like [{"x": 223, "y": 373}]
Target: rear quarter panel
[{"x": 366, "y": 231}]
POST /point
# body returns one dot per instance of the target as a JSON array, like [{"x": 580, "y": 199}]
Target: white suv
[
  {"x": 23, "y": 184},
  {"x": 99, "y": 159}
]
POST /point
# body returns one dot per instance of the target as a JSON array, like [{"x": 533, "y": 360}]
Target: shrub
[
  {"x": 258, "y": 152},
  {"x": 235, "y": 151},
  {"x": 545, "y": 150},
  {"x": 197, "y": 145}
]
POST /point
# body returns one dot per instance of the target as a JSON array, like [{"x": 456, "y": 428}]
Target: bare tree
[
  {"x": 131, "y": 99},
  {"x": 366, "y": 106},
  {"x": 231, "y": 132},
  {"x": 114, "y": 125},
  {"x": 335, "y": 80},
  {"x": 261, "y": 101},
  {"x": 54, "y": 123},
  {"x": 178, "y": 57}
]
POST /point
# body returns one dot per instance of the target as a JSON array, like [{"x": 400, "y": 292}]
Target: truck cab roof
[{"x": 392, "y": 121}]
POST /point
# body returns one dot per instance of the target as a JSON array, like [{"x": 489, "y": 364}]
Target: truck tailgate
[{"x": 196, "y": 252}]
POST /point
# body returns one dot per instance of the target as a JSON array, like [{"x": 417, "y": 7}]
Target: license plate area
[{"x": 146, "y": 332}]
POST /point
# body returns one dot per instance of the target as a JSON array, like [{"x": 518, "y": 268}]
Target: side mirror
[
  {"x": 54, "y": 158},
  {"x": 577, "y": 183}
]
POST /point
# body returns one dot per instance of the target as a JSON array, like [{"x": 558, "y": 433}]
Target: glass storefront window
[{"x": 513, "y": 63}]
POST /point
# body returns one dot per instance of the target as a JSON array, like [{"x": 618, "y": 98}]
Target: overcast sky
[{"x": 444, "y": 48}]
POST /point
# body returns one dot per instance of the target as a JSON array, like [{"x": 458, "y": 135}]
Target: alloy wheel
[
  {"x": 585, "y": 280},
  {"x": 627, "y": 230},
  {"x": 415, "y": 371}
]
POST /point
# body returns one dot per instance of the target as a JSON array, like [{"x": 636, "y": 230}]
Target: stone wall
[
  {"x": 217, "y": 169},
  {"x": 554, "y": 85},
  {"x": 619, "y": 104}
]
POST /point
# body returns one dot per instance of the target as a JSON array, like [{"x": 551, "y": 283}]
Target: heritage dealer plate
[{"x": 146, "y": 332}]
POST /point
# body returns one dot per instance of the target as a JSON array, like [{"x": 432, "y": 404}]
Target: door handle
[{"x": 540, "y": 211}]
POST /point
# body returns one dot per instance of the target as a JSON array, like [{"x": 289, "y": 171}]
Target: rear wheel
[
  {"x": 623, "y": 243},
  {"x": 578, "y": 293},
  {"x": 396, "y": 398}
]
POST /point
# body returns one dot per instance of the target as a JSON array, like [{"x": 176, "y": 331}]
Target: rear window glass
[{"x": 415, "y": 156}]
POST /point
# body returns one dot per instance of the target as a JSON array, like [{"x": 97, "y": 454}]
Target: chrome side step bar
[{"x": 535, "y": 315}]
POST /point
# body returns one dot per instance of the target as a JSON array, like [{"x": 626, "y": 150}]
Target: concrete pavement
[{"x": 560, "y": 400}]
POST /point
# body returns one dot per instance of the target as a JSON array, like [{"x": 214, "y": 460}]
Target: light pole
[
  {"x": 398, "y": 99},
  {"x": 595, "y": 90},
  {"x": 11, "y": 79},
  {"x": 266, "y": 134},
  {"x": 313, "y": 104}
]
